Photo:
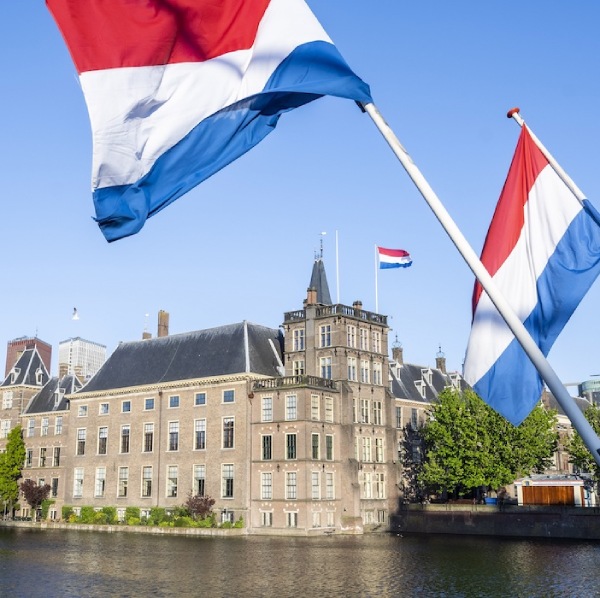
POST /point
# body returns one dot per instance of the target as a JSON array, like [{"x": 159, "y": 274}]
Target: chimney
[
  {"x": 63, "y": 369},
  {"x": 163, "y": 323},
  {"x": 357, "y": 305},
  {"x": 440, "y": 361},
  {"x": 397, "y": 354},
  {"x": 311, "y": 296},
  {"x": 146, "y": 335}
]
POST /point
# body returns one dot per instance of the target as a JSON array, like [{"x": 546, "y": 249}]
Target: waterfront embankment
[{"x": 576, "y": 523}]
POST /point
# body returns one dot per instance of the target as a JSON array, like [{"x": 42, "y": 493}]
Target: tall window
[
  {"x": 30, "y": 428},
  {"x": 352, "y": 369},
  {"x": 229, "y": 396},
  {"x": 45, "y": 425},
  {"x": 125, "y": 431},
  {"x": 123, "y": 482},
  {"x": 379, "y": 482},
  {"x": 291, "y": 485},
  {"x": 315, "y": 480},
  {"x": 291, "y": 407},
  {"x": 7, "y": 399},
  {"x": 148, "y": 438},
  {"x": 351, "y": 336},
  {"x": 329, "y": 486},
  {"x": 266, "y": 486},
  {"x": 315, "y": 446},
  {"x": 81, "y": 432},
  {"x": 100, "y": 481},
  {"x": 267, "y": 409},
  {"x": 315, "y": 404},
  {"x": 4, "y": 428},
  {"x": 56, "y": 457},
  {"x": 228, "y": 428},
  {"x": 200, "y": 479},
  {"x": 299, "y": 339},
  {"x": 376, "y": 341},
  {"x": 147, "y": 481},
  {"x": 78, "y": 482},
  {"x": 43, "y": 457},
  {"x": 172, "y": 478},
  {"x": 102, "y": 440},
  {"x": 329, "y": 409},
  {"x": 29, "y": 458},
  {"x": 364, "y": 411},
  {"x": 329, "y": 447},
  {"x": 364, "y": 371},
  {"x": 290, "y": 449},
  {"x": 266, "y": 518},
  {"x": 227, "y": 480},
  {"x": 379, "y": 450},
  {"x": 200, "y": 434},
  {"x": 291, "y": 518},
  {"x": 298, "y": 367},
  {"x": 364, "y": 339},
  {"x": 325, "y": 364},
  {"x": 54, "y": 488},
  {"x": 366, "y": 486},
  {"x": 399, "y": 417},
  {"x": 267, "y": 447},
  {"x": 377, "y": 413},
  {"x": 414, "y": 419},
  {"x": 58, "y": 425},
  {"x": 325, "y": 335},
  {"x": 377, "y": 376},
  {"x": 366, "y": 449},
  {"x": 173, "y": 436}
]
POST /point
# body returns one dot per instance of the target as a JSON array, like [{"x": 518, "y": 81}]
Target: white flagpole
[
  {"x": 565, "y": 400},
  {"x": 337, "y": 268},
  {"x": 376, "y": 283}
]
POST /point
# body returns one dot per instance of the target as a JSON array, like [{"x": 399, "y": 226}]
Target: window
[
  {"x": 325, "y": 335},
  {"x": 172, "y": 481},
  {"x": 39, "y": 377},
  {"x": 58, "y": 425},
  {"x": 299, "y": 339},
  {"x": 291, "y": 518},
  {"x": 399, "y": 417},
  {"x": 267, "y": 447},
  {"x": 298, "y": 367},
  {"x": 376, "y": 341},
  {"x": 290, "y": 442},
  {"x": 366, "y": 486},
  {"x": 315, "y": 404},
  {"x": 56, "y": 457},
  {"x": 102, "y": 440},
  {"x": 173, "y": 436},
  {"x": 29, "y": 458},
  {"x": 364, "y": 371},
  {"x": 266, "y": 518},
  {"x": 200, "y": 398},
  {"x": 329, "y": 447},
  {"x": 377, "y": 376},
  {"x": 148, "y": 438},
  {"x": 291, "y": 485},
  {"x": 315, "y": 482},
  {"x": 315, "y": 446},
  {"x": 4, "y": 428},
  {"x": 267, "y": 409},
  {"x": 352, "y": 369},
  {"x": 227, "y": 480},
  {"x": 291, "y": 407},
  {"x": 200, "y": 479},
  {"x": 329, "y": 409},
  {"x": 123, "y": 482},
  {"x": 364, "y": 411},
  {"x": 82, "y": 411},
  {"x": 54, "y": 488},
  {"x": 379, "y": 482},
  {"x": 43, "y": 457},
  {"x": 377, "y": 413},
  {"x": 125, "y": 433},
  {"x": 148, "y": 404},
  {"x": 7, "y": 398},
  {"x": 351, "y": 336},
  {"x": 30, "y": 428},
  {"x": 364, "y": 339},
  {"x": 147, "y": 481},
  {"x": 173, "y": 401},
  {"x": 330, "y": 519},
  {"x": 78, "y": 482},
  {"x": 366, "y": 449},
  {"x": 103, "y": 409},
  {"x": 228, "y": 429},
  {"x": 81, "y": 433},
  {"x": 199, "y": 434},
  {"x": 414, "y": 419},
  {"x": 100, "y": 482},
  {"x": 125, "y": 406},
  {"x": 379, "y": 450},
  {"x": 45, "y": 425},
  {"x": 228, "y": 396},
  {"x": 325, "y": 363},
  {"x": 329, "y": 486},
  {"x": 266, "y": 486}
]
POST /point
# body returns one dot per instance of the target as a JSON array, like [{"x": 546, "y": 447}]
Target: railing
[
  {"x": 339, "y": 309},
  {"x": 288, "y": 381}
]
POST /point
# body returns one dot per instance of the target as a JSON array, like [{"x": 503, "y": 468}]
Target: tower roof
[{"x": 318, "y": 281}]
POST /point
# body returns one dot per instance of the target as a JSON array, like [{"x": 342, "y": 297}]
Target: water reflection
[{"x": 75, "y": 564}]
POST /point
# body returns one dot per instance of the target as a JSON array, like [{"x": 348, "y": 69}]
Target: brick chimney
[
  {"x": 397, "y": 354},
  {"x": 146, "y": 335},
  {"x": 163, "y": 323},
  {"x": 311, "y": 296}
]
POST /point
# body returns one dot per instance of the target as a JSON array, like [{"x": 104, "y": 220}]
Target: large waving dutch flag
[
  {"x": 543, "y": 251},
  {"x": 178, "y": 89}
]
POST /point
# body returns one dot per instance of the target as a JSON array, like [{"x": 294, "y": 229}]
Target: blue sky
[{"x": 241, "y": 245}]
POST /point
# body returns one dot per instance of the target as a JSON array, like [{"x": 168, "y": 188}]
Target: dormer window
[
  {"x": 39, "y": 376},
  {"x": 59, "y": 393},
  {"x": 421, "y": 387},
  {"x": 14, "y": 374},
  {"x": 426, "y": 375}
]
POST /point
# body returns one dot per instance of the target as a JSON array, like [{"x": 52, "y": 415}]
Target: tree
[
  {"x": 34, "y": 494},
  {"x": 11, "y": 466},
  {"x": 469, "y": 446},
  {"x": 198, "y": 506},
  {"x": 579, "y": 454}
]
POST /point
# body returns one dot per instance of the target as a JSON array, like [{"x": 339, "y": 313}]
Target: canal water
[{"x": 64, "y": 563}]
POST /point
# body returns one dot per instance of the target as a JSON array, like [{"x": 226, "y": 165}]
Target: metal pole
[{"x": 583, "y": 427}]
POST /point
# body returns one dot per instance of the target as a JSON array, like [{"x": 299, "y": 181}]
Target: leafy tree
[
  {"x": 468, "y": 445},
  {"x": 11, "y": 465},
  {"x": 35, "y": 494},
  {"x": 199, "y": 507},
  {"x": 579, "y": 454}
]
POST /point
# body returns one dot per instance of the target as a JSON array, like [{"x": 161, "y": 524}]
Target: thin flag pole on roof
[{"x": 567, "y": 403}]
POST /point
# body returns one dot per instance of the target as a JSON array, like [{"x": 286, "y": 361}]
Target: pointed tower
[{"x": 318, "y": 284}]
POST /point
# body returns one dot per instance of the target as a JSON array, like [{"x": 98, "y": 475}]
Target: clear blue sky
[{"x": 241, "y": 245}]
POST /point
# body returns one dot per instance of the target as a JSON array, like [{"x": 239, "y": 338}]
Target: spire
[{"x": 318, "y": 283}]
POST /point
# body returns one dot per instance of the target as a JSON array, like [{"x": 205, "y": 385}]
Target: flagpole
[
  {"x": 376, "y": 284},
  {"x": 583, "y": 427},
  {"x": 337, "y": 268}
]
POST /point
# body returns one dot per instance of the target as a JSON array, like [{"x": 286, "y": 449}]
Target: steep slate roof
[
  {"x": 45, "y": 400},
  {"x": 405, "y": 375},
  {"x": 28, "y": 364},
  {"x": 318, "y": 281},
  {"x": 232, "y": 349}
]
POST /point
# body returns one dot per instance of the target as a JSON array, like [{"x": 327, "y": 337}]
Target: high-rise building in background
[
  {"x": 80, "y": 357},
  {"x": 16, "y": 347}
]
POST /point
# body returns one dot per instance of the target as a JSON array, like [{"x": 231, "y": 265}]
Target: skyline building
[{"x": 80, "y": 357}]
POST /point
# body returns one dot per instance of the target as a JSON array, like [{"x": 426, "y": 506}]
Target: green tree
[
  {"x": 468, "y": 445},
  {"x": 11, "y": 466},
  {"x": 579, "y": 454}
]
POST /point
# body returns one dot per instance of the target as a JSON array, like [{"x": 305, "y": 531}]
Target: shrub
[
  {"x": 67, "y": 511},
  {"x": 133, "y": 521},
  {"x": 226, "y": 525},
  {"x": 239, "y": 523},
  {"x": 183, "y": 522},
  {"x": 111, "y": 515},
  {"x": 157, "y": 516},
  {"x": 45, "y": 506},
  {"x": 73, "y": 518},
  {"x": 87, "y": 515},
  {"x": 132, "y": 513},
  {"x": 100, "y": 518}
]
